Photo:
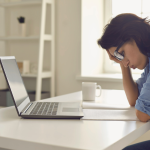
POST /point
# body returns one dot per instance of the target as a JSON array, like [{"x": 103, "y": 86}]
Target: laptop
[{"x": 34, "y": 109}]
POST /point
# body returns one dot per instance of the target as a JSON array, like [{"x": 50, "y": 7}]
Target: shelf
[
  {"x": 21, "y": 3},
  {"x": 45, "y": 74},
  {"x": 20, "y": 38},
  {"x": 24, "y": 3},
  {"x": 47, "y": 37}
]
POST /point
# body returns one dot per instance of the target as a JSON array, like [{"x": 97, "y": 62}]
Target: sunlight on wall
[{"x": 92, "y": 24}]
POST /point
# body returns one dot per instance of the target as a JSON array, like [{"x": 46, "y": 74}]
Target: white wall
[{"x": 68, "y": 45}]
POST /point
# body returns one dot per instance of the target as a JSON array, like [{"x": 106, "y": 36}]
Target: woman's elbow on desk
[
  {"x": 142, "y": 116},
  {"x": 132, "y": 104}
]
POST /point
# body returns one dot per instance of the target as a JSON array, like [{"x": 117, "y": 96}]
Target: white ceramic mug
[{"x": 89, "y": 90}]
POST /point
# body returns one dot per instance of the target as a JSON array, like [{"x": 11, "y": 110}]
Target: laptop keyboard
[{"x": 45, "y": 108}]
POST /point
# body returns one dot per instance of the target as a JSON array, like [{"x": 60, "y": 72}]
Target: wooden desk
[{"x": 62, "y": 134}]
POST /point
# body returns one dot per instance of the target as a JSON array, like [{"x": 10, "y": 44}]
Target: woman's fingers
[{"x": 111, "y": 57}]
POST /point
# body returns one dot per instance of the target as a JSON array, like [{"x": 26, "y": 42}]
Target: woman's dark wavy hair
[{"x": 126, "y": 27}]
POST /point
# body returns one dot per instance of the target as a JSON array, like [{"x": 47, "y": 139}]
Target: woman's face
[{"x": 133, "y": 58}]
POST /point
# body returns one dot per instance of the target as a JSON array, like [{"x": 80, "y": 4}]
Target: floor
[{"x": 2, "y": 107}]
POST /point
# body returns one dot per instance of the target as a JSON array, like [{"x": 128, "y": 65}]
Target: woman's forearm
[{"x": 129, "y": 85}]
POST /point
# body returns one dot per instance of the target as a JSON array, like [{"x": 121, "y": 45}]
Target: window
[
  {"x": 92, "y": 23},
  {"x": 115, "y": 7}
]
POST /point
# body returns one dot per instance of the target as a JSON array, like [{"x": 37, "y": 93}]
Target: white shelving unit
[{"x": 40, "y": 40}]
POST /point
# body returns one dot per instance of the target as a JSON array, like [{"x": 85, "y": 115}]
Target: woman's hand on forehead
[
  {"x": 111, "y": 57},
  {"x": 109, "y": 52}
]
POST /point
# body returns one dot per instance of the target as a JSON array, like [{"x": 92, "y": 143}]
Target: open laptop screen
[{"x": 14, "y": 79}]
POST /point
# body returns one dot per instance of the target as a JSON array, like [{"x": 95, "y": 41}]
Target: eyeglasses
[{"x": 117, "y": 54}]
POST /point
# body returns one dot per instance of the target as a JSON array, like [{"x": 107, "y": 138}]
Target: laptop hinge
[{"x": 26, "y": 108}]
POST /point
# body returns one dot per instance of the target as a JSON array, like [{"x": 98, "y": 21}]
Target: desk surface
[{"x": 62, "y": 134}]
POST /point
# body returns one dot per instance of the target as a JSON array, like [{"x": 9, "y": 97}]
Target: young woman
[{"x": 127, "y": 41}]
